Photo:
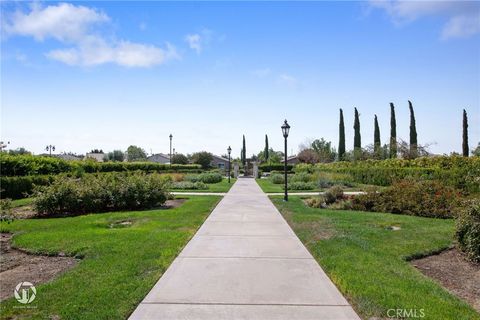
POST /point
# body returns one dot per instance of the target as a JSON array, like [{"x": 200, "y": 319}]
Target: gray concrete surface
[{"x": 245, "y": 262}]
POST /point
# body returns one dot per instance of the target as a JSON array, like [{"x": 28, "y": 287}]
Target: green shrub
[
  {"x": 277, "y": 178},
  {"x": 468, "y": 230},
  {"x": 316, "y": 202},
  {"x": 418, "y": 198},
  {"x": 100, "y": 193},
  {"x": 24, "y": 165},
  {"x": 188, "y": 185},
  {"x": 268, "y": 167},
  {"x": 21, "y": 187},
  {"x": 6, "y": 210},
  {"x": 206, "y": 177},
  {"x": 300, "y": 185},
  {"x": 333, "y": 194},
  {"x": 301, "y": 177}
]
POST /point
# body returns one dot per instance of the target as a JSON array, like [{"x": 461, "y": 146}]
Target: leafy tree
[
  {"x": 274, "y": 156},
  {"x": 465, "y": 134},
  {"x": 265, "y": 151},
  {"x": 413, "y": 133},
  {"x": 376, "y": 140},
  {"x": 476, "y": 151},
  {"x": 393, "y": 132},
  {"x": 357, "y": 139},
  {"x": 115, "y": 155},
  {"x": 308, "y": 156},
  {"x": 324, "y": 150},
  {"x": 96, "y": 151},
  {"x": 135, "y": 153},
  {"x": 19, "y": 151},
  {"x": 341, "y": 142},
  {"x": 179, "y": 158},
  {"x": 203, "y": 158}
]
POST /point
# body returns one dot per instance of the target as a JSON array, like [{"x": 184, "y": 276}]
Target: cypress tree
[
  {"x": 357, "y": 140},
  {"x": 244, "y": 151},
  {"x": 465, "y": 134},
  {"x": 393, "y": 132},
  {"x": 376, "y": 138},
  {"x": 413, "y": 132},
  {"x": 265, "y": 152},
  {"x": 341, "y": 142}
]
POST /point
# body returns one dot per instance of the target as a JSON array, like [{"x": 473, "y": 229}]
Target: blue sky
[{"x": 86, "y": 75}]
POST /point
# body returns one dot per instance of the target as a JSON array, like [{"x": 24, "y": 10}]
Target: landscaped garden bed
[
  {"x": 367, "y": 254},
  {"x": 127, "y": 259}
]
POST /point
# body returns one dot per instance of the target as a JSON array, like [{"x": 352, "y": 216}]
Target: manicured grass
[
  {"x": 368, "y": 262},
  {"x": 21, "y": 202},
  {"x": 222, "y": 186},
  {"x": 119, "y": 265},
  {"x": 269, "y": 187}
]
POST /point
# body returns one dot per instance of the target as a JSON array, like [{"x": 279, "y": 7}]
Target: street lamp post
[
  {"x": 50, "y": 148},
  {"x": 229, "y": 165},
  {"x": 170, "y": 136},
  {"x": 285, "y": 131}
]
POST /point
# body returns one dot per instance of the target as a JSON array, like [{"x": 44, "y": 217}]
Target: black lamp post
[
  {"x": 50, "y": 148},
  {"x": 229, "y": 152},
  {"x": 285, "y": 131},
  {"x": 170, "y": 136}
]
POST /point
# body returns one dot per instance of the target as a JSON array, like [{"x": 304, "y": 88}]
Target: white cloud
[
  {"x": 288, "y": 80},
  {"x": 194, "y": 42},
  {"x": 463, "y": 17},
  {"x": 198, "y": 41},
  {"x": 75, "y": 26}
]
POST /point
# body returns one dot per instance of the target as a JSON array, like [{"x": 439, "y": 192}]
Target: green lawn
[
  {"x": 222, "y": 186},
  {"x": 368, "y": 262},
  {"x": 21, "y": 202},
  {"x": 119, "y": 265}
]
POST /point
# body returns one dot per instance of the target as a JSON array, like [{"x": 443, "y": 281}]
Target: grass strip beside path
[
  {"x": 368, "y": 261},
  {"x": 119, "y": 266}
]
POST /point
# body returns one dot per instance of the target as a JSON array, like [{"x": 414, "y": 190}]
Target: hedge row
[
  {"x": 267, "y": 167},
  {"x": 25, "y": 165},
  {"x": 19, "y": 187}
]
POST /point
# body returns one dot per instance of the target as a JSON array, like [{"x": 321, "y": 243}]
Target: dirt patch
[
  {"x": 24, "y": 212},
  {"x": 17, "y": 266},
  {"x": 175, "y": 203},
  {"x": 455, "y": 273}
]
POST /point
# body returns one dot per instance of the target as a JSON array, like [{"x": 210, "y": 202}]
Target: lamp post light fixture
[
  {"x": 170, "y": 136},
  {"x": 229, "y": 165},
  {"x": 50, "y": 148},
  {"x": 285, "y": 131}
]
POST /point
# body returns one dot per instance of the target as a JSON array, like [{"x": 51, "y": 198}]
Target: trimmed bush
[
  {"x": 301, "y": 177},
  {"x": 206, "y": 177},
  {"x": 100, "y": 193},
  {"x": 299, "y": 185},
  {"x": 468, "y": 231},
  {"x": 417, "y": 198},
  {"x": 188, "y": 185},
  {"x": 21, "y": 187},
  {"x": 23, "y": 165},
  {"x": 277, "y": 178},
  {"x": 267, "y": 167},
  {"x": 333, "y": 194}
]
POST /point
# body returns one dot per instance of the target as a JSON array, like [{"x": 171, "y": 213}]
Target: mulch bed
[{"x": 455, "y": 273}]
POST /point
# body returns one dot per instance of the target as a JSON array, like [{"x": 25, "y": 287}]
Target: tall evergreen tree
[
  {"x": 393, "y": 132},
  {"x": 413, "y": 132},
  {"x": 376, "y": 139},
  {"x": 265, "y": 151},
  {"x": 341, "y": 142},
  {"x": 357, "y": 140},
  {"x": 465, "y": 134},
  {"x": 244, "y": 151}
]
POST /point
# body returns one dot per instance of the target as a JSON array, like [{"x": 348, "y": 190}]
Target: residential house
[{"x": 159, "y": 158}]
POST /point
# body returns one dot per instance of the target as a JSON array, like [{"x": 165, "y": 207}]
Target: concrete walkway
[{"x": 244, "y": 262}]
